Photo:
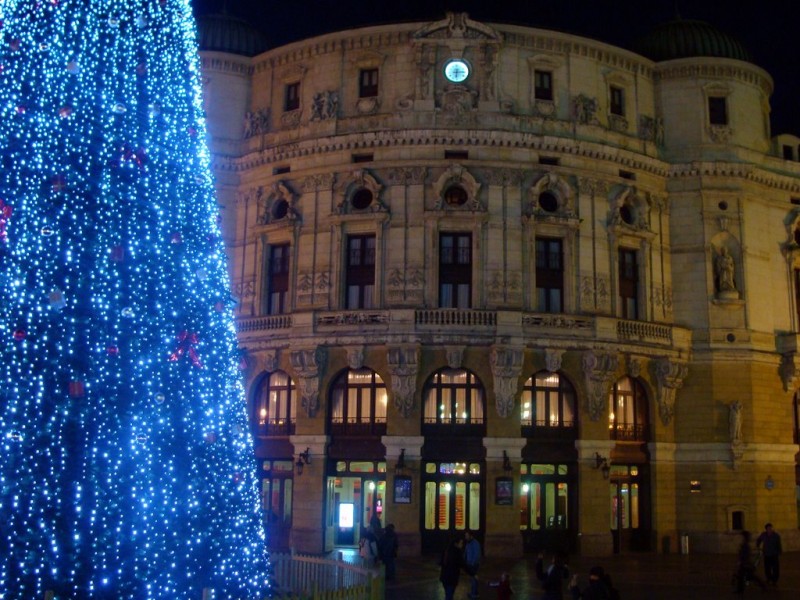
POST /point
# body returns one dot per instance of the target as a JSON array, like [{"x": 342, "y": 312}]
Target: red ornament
[
  {"x": 112, "y": 350},
  {"x": 19, "y": 335},
  {"x": 141, "y": 69},
  {"x": 186, "y": 343},
  {"x": 191, "y": 131},
  {"x": 176, "y": 237},
  {"x": 65, "y": 111},
  {"x": 219, "y": 306},
  {"x": 14, "y": 44},
  {"x": 118, "y": 253},
  {"x": 237, "y": 477},
  {"x": 5, "y": 215},
  {"x": 22, "y": 109},
  {"x": 73, "y": 67},
  {"x": 76, "y": 389},
  {"x": 58, "y": 183},
  {"x": 210, "y": 437}
]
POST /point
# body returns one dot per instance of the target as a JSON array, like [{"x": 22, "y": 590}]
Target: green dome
[
  {"x": 685, "y": 39},
  {"x": 224, "y": 33}
]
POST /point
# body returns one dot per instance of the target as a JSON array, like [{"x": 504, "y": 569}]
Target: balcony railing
[
  {"x": 444, "y": 317},
  {"x": 266, "y": 323},
  {"x": 628, "y": 433},
  {"x": 644, "y": 331},
  {"x": 376, "y": 427},
  {"x": 276, "y": 428}
]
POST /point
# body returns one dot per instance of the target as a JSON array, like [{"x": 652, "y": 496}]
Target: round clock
[{"x": 456, "y": 70}]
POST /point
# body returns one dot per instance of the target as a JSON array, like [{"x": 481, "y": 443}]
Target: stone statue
[
  {"x": 724, "y": 268},
  {"x": 735, "y": 422}
]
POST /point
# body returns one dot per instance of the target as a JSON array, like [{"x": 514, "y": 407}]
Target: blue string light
[{"x": 127, "y": 466}]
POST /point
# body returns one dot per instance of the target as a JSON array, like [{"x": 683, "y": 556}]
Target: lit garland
[{"x": 126, "y": 465}]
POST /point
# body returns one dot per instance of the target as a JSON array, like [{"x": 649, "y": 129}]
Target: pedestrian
[
  {"x": 368, "y": 548},
  {"x": 770, "y": 544},
  {"x": 388, "y": 550},
  {"x": 503, "y": 586},
  {"x": 472, "y": 561},
  {"x": 451, "y": 563},
  {"x": 553, "y": 577},
  {"x": 598, "y": 588},
  {"x": 745, "y": 569}
]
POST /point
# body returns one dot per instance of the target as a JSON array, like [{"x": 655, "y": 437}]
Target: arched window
[
  {"x": 358, "y": 403},
  {"x": 276, "y": 405},
  {"x": 627, "y": 417},
  {"x": 548, "y": 400},
  {"x": 454, "y": 398}
]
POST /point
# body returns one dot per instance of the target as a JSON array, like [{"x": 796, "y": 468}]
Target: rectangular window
[
  {"x": 360, "y": 275},
  {"x": 455, "y": 270},
  {"x": 549, "y": 275},
  {"x": 617, "y": 100},
  {"x": 543, "y": 85},
  {"x": 278, "y": 279},
  {"x": 788, "y": 152},
  {"x": 628, "y": 284},
  {"x": 368, "y": 83},
  {"x": 291, "y": 98},
  {"x": 717, "y": 110}
]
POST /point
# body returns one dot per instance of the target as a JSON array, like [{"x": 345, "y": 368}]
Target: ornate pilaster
[
  {"x": 669, "y": 378},
  {"x": 308, "y": 364},
  {"x": 402, "y": 362},
  {"x": 600, "y": 370},
  {"x": 506, "y": 368}
]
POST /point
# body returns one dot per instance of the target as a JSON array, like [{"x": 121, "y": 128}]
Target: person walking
[
  {"x": 770, "y": 544},
  {"x": 451, "y": 563},
  {"x": 472, "y": 561},
  {"x": 598, "y": 588},
  {"x": 553, "y": 577},
  {"x": 745, "y": 569},
  {"x": 388, "y": 545}
]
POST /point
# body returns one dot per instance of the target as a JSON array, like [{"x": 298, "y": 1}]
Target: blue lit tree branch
[{"x": 126, "y": 466}]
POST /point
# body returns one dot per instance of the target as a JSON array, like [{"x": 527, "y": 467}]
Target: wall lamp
[
  {"x": 303, "y": 459},
  {"x": 601, "y": 463},
  {"x": 506, "y": 462}
]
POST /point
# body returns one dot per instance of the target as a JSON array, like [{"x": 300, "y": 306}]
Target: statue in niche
[
  {"x": 724, "y": 268},
  {"x": 735, "y": 422}
]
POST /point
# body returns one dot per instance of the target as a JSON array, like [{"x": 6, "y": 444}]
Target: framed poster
[
  {"x": 402, "y": 490},
  {"x": 504, "y": 491}
]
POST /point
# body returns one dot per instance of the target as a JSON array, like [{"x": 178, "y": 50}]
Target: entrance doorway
[
  {"x": 546, "y": 506},
  {"x": 453, "y": 502},
  {"x": 352, "y": 502},
  {"x": 629, "y": 509}
]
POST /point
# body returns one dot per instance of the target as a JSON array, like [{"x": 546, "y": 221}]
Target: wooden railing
[{"x": 304, "y": 577}]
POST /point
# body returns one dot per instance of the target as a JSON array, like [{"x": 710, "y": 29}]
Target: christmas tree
[{"x": 127, "y": 467}]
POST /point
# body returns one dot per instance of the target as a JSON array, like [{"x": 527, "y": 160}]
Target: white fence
[{"x": 305, "y": 576}]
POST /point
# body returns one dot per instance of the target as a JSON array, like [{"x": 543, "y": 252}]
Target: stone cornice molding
[
  {"x": 745, "y": 171},
  {"x": 429, "y": 137}
]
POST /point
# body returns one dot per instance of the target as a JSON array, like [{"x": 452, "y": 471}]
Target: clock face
[{"x": 456, "y": 71}]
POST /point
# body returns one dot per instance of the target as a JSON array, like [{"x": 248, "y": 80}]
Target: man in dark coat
[
  {"x": 451, "y": 563},
  {"x": 770, "y": 543}
]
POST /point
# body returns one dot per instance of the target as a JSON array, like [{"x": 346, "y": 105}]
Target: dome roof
[
  {"x": 686, "y": 38},
  {"x": 225, "y": 33}
]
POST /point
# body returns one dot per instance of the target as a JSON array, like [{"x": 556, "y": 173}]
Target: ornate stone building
[{"x": 511, "y": 280}]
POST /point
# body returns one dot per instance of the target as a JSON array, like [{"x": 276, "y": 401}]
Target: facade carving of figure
[
  {"x": 257, "y": 123},
  {"x": 489, "y": 64},
  {"x": 318, "y": 107},
  {"x": 584, "y": 109},
  {"x": 735, "y": 422},
  {"x": 724, "y": 268},
  {"x": 331, "y": 104}
]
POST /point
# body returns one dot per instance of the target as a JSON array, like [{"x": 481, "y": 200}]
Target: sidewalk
[{"x": 637, "y": 576}]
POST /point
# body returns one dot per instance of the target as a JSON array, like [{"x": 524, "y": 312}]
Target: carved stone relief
[
  {"x": 309, "y": 364},
  {"x": 458, "y": 105},
  {"x": 629, "y": 211},
  {"x": 455, "y": 356},
  {"x": 552, "y": 359},
  {"x": 278, "y": 205},
  {"x": 669, "y": 376},
  {"x": 506, "y": 365},
  {"x": 407, "y": 176},
  {"x": 584, "y": 110},
  {"x": 359, "y": 192},
  {"x": 457, "y": 175},
  {"x": 789, "y": 371},
  {"x": 257, "y": 122},
  {"x": 403, "y": 366},
  {"x": 600, "y": 370},
  {"x": 355, "y": 357},
  {"x": 325, "y": 105}
]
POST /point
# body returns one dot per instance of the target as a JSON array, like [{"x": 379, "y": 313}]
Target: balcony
[
  {"x": 280, "y": 427},
  {"x": 358, "y": 428},
  {"x": 625, "y": 432}
]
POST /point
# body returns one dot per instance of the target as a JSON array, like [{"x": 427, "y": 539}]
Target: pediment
[{"x": 457, "y": 26}]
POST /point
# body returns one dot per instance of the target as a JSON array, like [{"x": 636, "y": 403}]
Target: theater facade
[{"x": 511, "y": 280}]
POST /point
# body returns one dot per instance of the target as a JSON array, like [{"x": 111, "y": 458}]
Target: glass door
[
  {"x": 625, "y": 508},
  {"x": 453, "y": 503},
  {"x": 276, "y": 502},
  {"x": 546, "y": 505}
]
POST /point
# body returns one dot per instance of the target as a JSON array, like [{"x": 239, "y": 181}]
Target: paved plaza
[{"x": 637, "y": 576}]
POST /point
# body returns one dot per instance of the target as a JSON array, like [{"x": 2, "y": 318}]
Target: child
[{"x": 503, "y": 586}]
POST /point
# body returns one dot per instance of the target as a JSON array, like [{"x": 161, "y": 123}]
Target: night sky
[{"x": 768, "y": 29}]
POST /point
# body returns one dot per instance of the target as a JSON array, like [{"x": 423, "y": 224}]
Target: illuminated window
[
  {"x": 358, "y": 403},
  {"x": 454, "y": 398},
  {"x": 276, "y": 405},
  {"x": 548, "y": 400},
  {"x": 627, "y": 419}
]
